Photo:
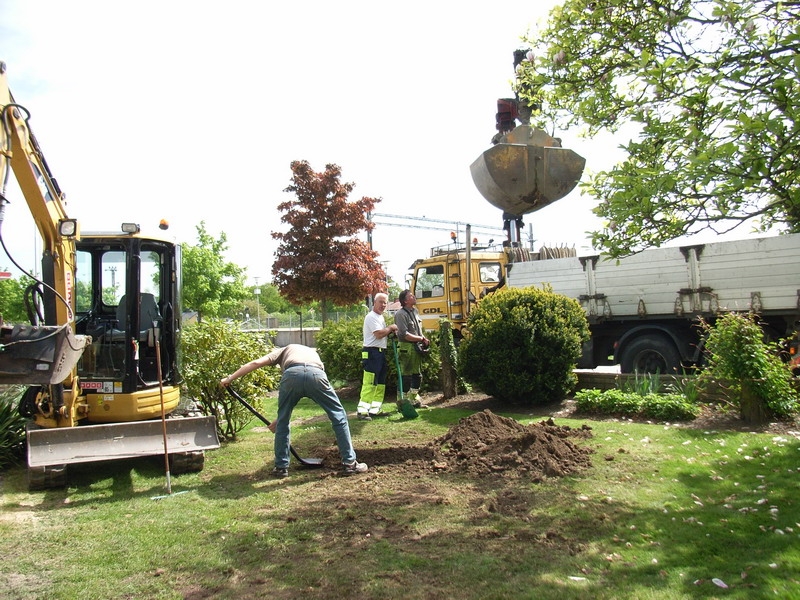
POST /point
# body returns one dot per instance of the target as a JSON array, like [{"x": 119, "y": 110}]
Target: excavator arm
[{"x": 41, "y": 353}]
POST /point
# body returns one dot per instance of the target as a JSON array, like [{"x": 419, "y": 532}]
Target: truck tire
[{"x": 650, "y": 354}]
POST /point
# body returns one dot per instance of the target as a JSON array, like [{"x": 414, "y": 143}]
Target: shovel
[
  {"x": 406, "y": 408},
  {"x": 306, "y": 462}
]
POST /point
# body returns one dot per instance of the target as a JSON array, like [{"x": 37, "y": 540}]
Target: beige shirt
[{"x": 293, "y": 354}]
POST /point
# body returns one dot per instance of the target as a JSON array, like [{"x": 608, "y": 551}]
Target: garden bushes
[{"x": 523, "y": 345}]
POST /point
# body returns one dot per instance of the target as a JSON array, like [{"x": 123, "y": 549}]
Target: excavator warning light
[
  {"x": 68, "y": 228},
  {"x": 130, "y": 228}
]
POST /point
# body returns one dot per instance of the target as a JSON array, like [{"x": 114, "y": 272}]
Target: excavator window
[
  {"x": 113, "y": 275},
  {"x": 105, "y": 287}
]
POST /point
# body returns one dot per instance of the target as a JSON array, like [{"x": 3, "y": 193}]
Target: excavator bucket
[
  {"x": 38, "y": 355},
  {"x": 526, "y": 171},
  {"x": 90, "y": 443}
]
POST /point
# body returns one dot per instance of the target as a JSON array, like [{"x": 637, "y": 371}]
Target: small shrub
[
  {"x": 339, "y": 345},
  {"x": 642, "y": 384},
  {"x": 760, "y": 383},
  {"x": 12, "y": 427},
  {"x": 668, "y": 407},
  {"x": 688, "y": 386},
  {"x": 452, "y": 383},
  {"x": 523, "y": 345},
  {"x": 213, "y": 349}
]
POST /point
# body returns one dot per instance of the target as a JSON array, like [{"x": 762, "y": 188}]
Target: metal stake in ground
[
  {"x": 163, "y": 423},
  {"x": 306, "y": 462}
]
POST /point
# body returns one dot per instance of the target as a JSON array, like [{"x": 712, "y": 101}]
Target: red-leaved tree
[{"x": 320, "y": 257}]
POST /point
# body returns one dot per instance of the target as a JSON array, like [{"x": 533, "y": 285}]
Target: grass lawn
[{"x": 663, "y": 512}]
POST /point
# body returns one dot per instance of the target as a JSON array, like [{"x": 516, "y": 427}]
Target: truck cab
[{"x": 446, "y": 288}]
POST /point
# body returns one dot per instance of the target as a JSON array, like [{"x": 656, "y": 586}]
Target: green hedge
[{"x": 660, "y": 407}]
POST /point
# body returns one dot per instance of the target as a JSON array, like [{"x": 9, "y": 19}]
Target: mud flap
[{"x": 90, "y": 443}]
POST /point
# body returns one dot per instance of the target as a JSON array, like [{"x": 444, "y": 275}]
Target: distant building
[{"x": 393, "y": 307}]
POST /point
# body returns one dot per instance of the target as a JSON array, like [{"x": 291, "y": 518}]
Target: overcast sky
[{"x": 193, "y": 111}]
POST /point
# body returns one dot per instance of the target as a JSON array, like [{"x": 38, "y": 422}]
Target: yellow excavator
[{"x": 100, "y": 351}]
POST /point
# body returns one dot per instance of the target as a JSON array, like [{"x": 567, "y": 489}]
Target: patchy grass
[{"x": 664, "y": 512}]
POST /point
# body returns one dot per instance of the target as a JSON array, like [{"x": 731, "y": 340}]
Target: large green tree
[
  {"x": 713, "y": 87},
  {"x": 211, "y": 285},
  {"x": 12, "y": 299},
  {"x": 320, "y": 257},
  {"x": 272, "y": 301}
]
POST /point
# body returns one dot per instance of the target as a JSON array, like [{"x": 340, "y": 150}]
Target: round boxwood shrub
[{"x": 523, "y": 344}]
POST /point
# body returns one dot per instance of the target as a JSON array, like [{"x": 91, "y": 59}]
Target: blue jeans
[{"x": 306, "y": 381}]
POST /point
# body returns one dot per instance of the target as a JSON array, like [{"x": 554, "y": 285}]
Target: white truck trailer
[{"x": 644, "y": 310}]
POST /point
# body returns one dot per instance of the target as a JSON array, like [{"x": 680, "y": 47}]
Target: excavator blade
[
  {"x": 523, "y": 174},
  {"x": 90, "y": 443}
]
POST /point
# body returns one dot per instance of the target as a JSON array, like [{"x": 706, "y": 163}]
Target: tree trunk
[
  {"x": 449, "y": 376},
  {"x": 752, "y": 408},
  {"x": 323, "y": 304}
]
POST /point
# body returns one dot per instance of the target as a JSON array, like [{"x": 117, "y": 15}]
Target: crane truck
[
  {"x": 643, "y": 310},
  {"x": 99, "y": 357}
]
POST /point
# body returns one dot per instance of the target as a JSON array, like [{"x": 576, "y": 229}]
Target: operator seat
[{"x": 148, "y": 314}]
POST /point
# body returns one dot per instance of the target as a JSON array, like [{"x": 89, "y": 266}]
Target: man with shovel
[
  {"x": 413, "y": 344},
  {"x": 303, "y": 376}
]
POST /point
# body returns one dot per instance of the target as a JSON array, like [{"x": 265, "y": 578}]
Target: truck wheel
[{"x": 653, "y": 354}]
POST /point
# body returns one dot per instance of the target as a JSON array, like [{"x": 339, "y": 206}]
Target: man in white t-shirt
[{"x": 373, "y": 359}]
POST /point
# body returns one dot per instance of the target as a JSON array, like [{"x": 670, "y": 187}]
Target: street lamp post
[
  {"x": 300, "y": 312},
  {"x": 257, "y": 292}
]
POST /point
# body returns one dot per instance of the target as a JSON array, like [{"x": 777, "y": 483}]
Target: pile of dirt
[{"x": 487, "y": 444}]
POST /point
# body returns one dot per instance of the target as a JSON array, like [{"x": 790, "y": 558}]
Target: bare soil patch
[
  {"x": 486, "y": 443},
  {"x": 712, "y": 416}
]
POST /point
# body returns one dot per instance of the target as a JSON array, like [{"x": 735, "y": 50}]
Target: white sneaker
[{"x": 355, "y": 467}]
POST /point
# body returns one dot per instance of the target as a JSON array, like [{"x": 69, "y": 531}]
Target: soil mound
[{"x": 487, "y": 444}]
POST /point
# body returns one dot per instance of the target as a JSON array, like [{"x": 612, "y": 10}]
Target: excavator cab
[{"x": 126, "y": 291}]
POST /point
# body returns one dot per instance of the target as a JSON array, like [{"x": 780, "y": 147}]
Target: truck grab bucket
[
  {"x": 91, "y": 443},
  {"x": 526, "y": 171}
]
